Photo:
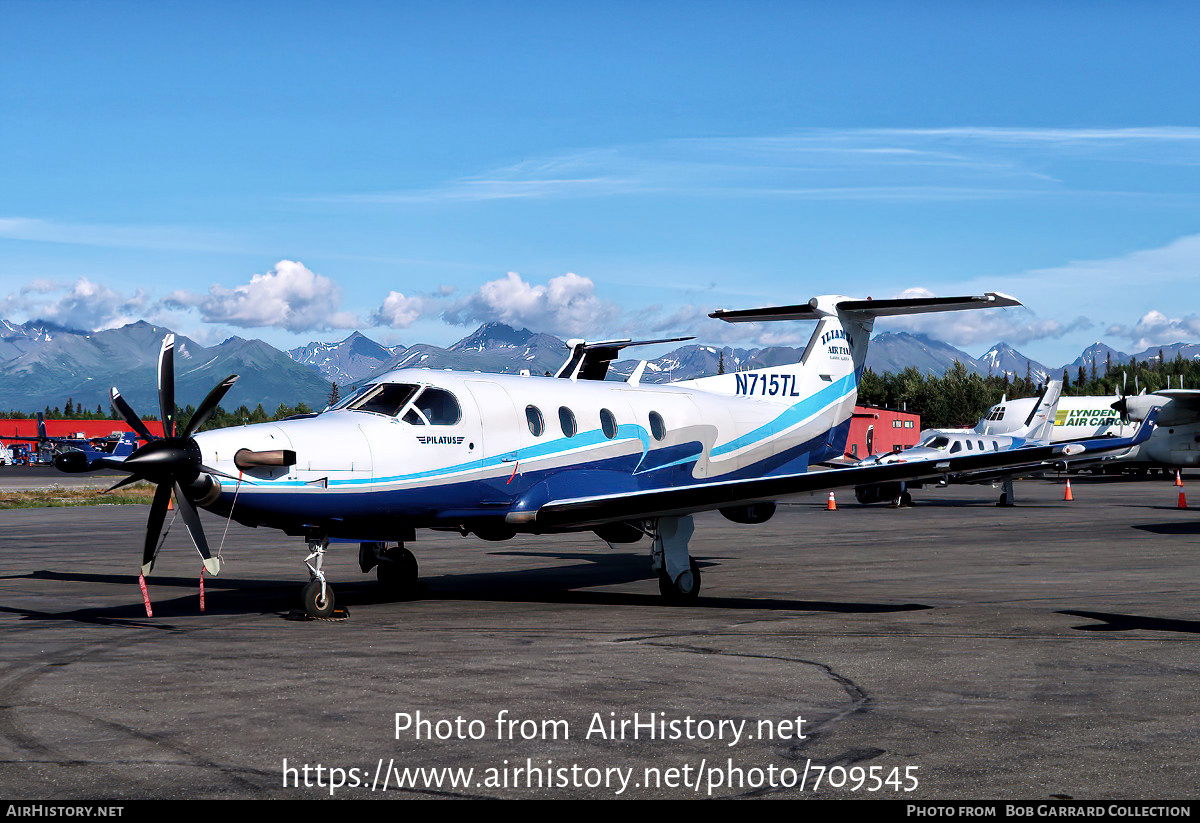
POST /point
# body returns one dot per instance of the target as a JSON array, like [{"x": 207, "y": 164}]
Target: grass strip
[{"x": 57, "y": 496}]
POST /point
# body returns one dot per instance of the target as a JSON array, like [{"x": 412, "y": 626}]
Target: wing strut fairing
[{"x": 590, "y": 361}]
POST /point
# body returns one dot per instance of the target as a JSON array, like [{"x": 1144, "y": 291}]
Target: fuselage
[{"x": 420, "y": 448}]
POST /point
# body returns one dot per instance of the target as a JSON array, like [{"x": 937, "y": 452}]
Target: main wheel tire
[
  {"x": 314, "y": 604},
  {"x": 685, "y": 590},
  {"x": 397, "y": 573}
]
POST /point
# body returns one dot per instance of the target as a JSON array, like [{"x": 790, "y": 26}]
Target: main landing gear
[
  {"x": 678, "y": 573},
  {"x": 395, "y": 568},
  {"x": 1006, "y": 494}
]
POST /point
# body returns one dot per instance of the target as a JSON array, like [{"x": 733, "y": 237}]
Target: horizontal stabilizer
[{"x": 869, "y": 308}]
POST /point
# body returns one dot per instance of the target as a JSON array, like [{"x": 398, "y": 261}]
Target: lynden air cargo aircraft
[
  {"x": 1034, "y": 430},
  {"x": 497, "y": 455},
  {"x": 1175, "y": 441}
]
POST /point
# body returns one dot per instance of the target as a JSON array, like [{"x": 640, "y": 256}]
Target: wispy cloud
[
  {"x": 860, "y": 164},
  {"x": 162, "y": 238}
]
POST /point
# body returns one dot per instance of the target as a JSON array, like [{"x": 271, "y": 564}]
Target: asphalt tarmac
[{"x": 951, "y": 650}]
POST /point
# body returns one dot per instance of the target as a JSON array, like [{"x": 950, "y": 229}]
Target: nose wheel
[
  {"x": 317, "y": 596},
  {"x": 318, "y": 599}
]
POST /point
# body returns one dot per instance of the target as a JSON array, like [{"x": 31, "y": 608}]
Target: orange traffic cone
[
  {"x": 831, "y": 506},
  {"x": 171, "y": 503},
  {"x": 1178, "y": 478},
  {"x": 1067, "y": 494}
]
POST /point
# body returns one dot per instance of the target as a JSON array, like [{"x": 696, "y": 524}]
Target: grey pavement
[{"x": 1041, "y": 651}]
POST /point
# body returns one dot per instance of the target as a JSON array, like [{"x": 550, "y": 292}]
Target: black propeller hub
[{"x": 165, "y": 461}]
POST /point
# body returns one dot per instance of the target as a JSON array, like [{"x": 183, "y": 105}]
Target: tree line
[
  {"x": 961, "y": 397},
  {"x": 220, "y": 417}
]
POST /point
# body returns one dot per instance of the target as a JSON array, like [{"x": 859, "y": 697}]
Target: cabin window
[
  {"x": 609, "y": 423},
  {"x": 566, "y": 419},
  {"x": 956, "y": 447},
  {"x": 385, "y": 398},
  {"x": 969, "y": 446},
  {"x": 658, "y": 429},
  {"x": 537, "y": 423},
  {"x": 439, "y": 407}
]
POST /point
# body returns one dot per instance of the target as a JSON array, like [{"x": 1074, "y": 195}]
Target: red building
[{"x": 880, "y": 430}]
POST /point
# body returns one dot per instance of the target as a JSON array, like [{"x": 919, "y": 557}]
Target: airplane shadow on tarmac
[
  {"x": 1132, "y": 622},
  {"x": 550, "y": 584}
]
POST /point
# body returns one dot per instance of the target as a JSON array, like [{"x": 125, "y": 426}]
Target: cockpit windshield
[
  {"x": 381, "y": 398},
  {"x": 937, "y": 441}
]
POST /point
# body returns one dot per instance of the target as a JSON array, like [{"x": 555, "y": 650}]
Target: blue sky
[{"x": 293, "y": 171}]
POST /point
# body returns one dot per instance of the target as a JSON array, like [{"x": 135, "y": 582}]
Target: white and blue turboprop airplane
[
  {"x": 1034, "y": 430},
  {"x": 496, "y": 455}
]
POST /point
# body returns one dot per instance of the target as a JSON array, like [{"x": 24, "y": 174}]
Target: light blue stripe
[{"x": 804, "y": 409}]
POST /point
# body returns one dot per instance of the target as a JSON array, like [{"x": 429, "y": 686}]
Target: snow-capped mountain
[
  {"x": 1003, "y": 359},
  {"x": 347, "y": 361}
]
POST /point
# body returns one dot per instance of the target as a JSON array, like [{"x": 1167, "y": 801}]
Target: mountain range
[{"x": 42, "y": 364}]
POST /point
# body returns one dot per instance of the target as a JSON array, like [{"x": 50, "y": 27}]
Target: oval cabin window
[
  {"x": 566, "y": 419},
  {"x": 537, "y": 424},
  {"x": 609, "y": 423}
]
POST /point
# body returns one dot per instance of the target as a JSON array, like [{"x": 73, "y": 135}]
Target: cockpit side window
[
  {"x": 936, "y": 442},
  {"x": 439, "y": 406},
  {"x": 384, "y": 398}
]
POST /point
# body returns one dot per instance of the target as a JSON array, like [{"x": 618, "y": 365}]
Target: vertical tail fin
[{"x": 1040, "y": 423}]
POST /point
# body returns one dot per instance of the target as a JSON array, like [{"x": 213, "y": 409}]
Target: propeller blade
[
  {"x": 166, "y": 384},
  {"x": 130, "y": 417},
  {"x": 209, "y": 405},
  {"x": 191, "y": 519},
  {"x": 158, "y": 513},
  {"x": 133, "y": 478}
]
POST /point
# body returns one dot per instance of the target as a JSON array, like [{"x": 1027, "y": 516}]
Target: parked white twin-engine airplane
[
  {"x": 497, "y": 455},
  {"x": 1034, "y": 430}
]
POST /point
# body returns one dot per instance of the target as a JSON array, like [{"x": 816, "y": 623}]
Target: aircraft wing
[{"x": 595, "y": 510}]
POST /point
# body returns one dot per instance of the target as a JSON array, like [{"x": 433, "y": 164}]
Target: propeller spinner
[{"x": 171, "y": 462}]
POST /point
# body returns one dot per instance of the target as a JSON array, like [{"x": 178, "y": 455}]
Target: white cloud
[
  {"x": 83, "y": 305},
  {"x": 289, "y": 296},
  {"x": 1157, "y": 329},
  {"x": 564, "y": 305},
  {"x": 398, "y": 311}
]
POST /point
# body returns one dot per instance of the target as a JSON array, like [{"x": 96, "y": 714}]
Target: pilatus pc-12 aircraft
[{"x": 499, "y": 455}]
